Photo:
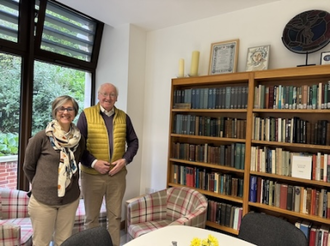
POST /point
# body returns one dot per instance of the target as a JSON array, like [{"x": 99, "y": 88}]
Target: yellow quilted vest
[{"x": 98, "y": 143}]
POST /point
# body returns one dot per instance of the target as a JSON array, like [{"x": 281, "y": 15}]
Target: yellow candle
[
  {"x": 181, "y": 68},
  {"x": 194, "y": 63}
]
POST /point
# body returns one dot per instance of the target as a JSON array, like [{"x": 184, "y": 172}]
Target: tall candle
[
  {"x": 194, "y": 63},
  {"x": 181, "y": 68}
]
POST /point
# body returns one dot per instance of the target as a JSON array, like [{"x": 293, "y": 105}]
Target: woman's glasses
[{"x": 62, "y": 109}]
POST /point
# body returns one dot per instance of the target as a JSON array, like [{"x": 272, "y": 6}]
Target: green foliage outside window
[{"x": 50, "y": 81}]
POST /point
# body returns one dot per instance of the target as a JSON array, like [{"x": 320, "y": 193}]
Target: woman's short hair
[{"x": 60, "y": 101}]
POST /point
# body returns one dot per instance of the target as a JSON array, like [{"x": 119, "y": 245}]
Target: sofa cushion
[
  {"x": 137, "y": 230},
  {"x": 181, "y": 202},
  {"x": 14, "y": 203},
  {"x": 13, "y": 230},
  {"x": 0, "y": 206},
  {"x": 150, "y": 207}
]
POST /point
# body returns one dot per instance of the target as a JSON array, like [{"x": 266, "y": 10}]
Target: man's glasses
[
  {"x": 62, "y": 109},
  {"x": 112, "y": 95}
]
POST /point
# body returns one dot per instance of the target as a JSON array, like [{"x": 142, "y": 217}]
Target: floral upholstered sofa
[{"x": 15, "y": 224}]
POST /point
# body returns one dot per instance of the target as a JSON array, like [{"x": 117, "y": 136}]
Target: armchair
[
  {"x": 172, "y": 206},
  {"x": 15, "y": 224}
]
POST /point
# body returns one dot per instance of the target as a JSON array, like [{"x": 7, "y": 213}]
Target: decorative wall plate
[{"x": 307, "y": 32}]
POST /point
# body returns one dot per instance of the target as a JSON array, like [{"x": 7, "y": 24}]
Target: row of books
[
  {"x": 232, "y": 155},
  {"x": 224, "y": 214},
  {"x": 204, "y": 179},
  {"x": 316, "y": 235},
  {"x": 305, "y": 200},
  {"x": 209, "y": 126},
  {"x": 312, "y": 166},
  {"x": 291, "y": 130},
  {"x": 213, "y": 97},
  {"x": 315, "y": 96}
]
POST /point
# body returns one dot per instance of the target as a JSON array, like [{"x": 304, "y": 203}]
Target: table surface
[{"x": 183, "y": 235}]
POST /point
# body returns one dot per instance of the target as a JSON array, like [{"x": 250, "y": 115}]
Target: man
[{"x": 106, "y": 129}]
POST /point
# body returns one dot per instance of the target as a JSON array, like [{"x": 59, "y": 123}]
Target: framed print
[
  {"x": 257, "y": 58},
  {"x": 223, "y": 57},
  {"x": 325, "y": 58}
]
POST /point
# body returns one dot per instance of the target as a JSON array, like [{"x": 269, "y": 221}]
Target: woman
[{"x": 51, "y": 166}]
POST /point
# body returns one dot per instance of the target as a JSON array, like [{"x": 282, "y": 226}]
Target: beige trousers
[
  {"x": 94, "y": 188},
  {"x": 51, "y": 222}
]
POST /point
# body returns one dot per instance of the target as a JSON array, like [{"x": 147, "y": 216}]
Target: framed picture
[
  {"x": 257, "y": 58},
  {"x": 325, "y": 58},
  {"x": 223, "y": 57}
]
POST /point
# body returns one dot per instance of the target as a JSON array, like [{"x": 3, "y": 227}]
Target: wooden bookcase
[{"x": 183, "y": 145}]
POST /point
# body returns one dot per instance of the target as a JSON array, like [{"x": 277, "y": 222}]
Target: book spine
[{"x": 253, "y": 189}]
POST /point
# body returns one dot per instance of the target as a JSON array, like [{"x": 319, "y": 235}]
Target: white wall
[
  {"x": 262, "y": 25},
  {"x": 121, "y": 62}
]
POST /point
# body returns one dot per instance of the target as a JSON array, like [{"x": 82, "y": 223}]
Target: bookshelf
[{"x": 227, "y": 129}]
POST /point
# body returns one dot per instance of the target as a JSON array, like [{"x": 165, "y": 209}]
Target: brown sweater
[{"x": 41, "y": 168}]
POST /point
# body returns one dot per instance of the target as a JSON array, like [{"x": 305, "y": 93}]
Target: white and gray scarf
[{"x": 67, "y": 143}]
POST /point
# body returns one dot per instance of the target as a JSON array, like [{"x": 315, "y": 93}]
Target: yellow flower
[
  {"x": 209, "y": 241},
  {"x": 213, "y": 240},
  {"x": 195, "y": 242}
]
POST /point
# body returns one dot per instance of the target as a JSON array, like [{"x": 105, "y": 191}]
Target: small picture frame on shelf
[
  {"x": 257, "y": 58},
  {"x": 223, "y": 57},
  {"x": 325, "y": 58}
]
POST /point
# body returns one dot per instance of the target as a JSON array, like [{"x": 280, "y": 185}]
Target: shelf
[
  {"x": 221, "y": 227},
  {"x": 291, "y": 179},
  {"x": 289, "y": 78},
  {"x": 290, "y": 213},
  {"x": 207, "y": 165}
]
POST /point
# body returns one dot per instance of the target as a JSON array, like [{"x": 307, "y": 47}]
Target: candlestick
[
  {"x": 181, "y": 68},
  {"x": 194, "y": 63}
]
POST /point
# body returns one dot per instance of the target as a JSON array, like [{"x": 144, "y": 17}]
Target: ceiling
[{"x": 157, "y": 14}]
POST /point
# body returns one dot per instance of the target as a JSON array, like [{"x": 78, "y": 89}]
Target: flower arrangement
[{"x": 209, "y": 241}]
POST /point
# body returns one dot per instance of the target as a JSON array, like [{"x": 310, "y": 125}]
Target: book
[
  {"x": 297, "y": 198},
  {"x": 277, "y": 194},
  {"x": 283, "y": 196},
  {"x": 227, "y": 215},
  {"x": 305, "y": 227},
  {"x": 289, "y": 200},
  {"x": 253, "y": 189},
  {"x": 301, "y": 166},
  {"x": 236, "y": 218},
  {"x": 324, "y": 234},
  {"x": 312, "y": 235}
]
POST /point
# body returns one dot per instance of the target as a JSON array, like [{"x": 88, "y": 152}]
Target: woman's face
[
  {"x": 65, "y": 115},
  {"x": 257, "y": 56}
]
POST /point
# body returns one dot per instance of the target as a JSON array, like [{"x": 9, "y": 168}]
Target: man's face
[{"x": 107, "y": 97}]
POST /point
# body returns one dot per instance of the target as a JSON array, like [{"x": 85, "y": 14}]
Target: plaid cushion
[
  {"x": 137, "y": 230},
  {"x": 175, "y": 205},
  {"x": 186, "y": 206},
  {"x": 10, "y": 234},
  {"x": 0, "y": 207},
  {"x": 80, "y": 217},
  {"x": 14, "y": 203},
  {"x": 16, "y": 232},
  {"x": 151, "y": 207}
]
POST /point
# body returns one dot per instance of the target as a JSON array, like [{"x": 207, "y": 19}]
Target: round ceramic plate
[{"x": 307, "y": 32}]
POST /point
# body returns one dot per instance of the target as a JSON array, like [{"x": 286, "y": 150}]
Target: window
[
  {"x": 67, "y": 33},
  {"x": 51, "y": 81},
  {"x": 10, "y": 74},
  {"x": 9, "y": 20},
  {"x": 46, "y": 50}
]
